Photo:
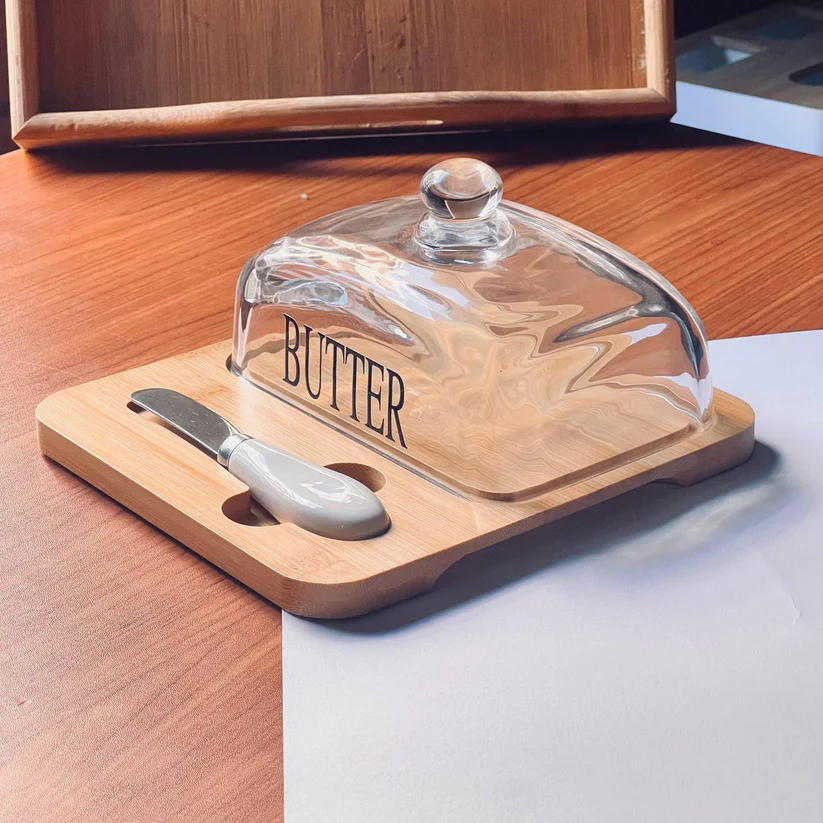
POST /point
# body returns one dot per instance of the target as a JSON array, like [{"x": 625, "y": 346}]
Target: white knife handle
[{"x": 316, "y": 499}]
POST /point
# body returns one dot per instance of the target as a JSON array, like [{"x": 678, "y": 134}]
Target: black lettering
[
  {"x": 388, "y": 423},
  {"x": 371, "y": 394},
  {"x": 337, "y": 348},
  {"x": 321, "y": 337},
  {"x": 356, "y": 358},
  {"x": 394, "y": 408},
  {"x": 292, "y": 350}
]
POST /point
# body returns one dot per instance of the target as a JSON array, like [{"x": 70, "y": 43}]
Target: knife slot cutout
[
  {"x": 371, "y": 478},
  {"x": 244, "y": 509}
]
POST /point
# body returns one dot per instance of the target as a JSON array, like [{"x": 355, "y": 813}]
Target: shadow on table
[
  {"x": 659, "y": 522},
  {"x": 554, "y": 144}
]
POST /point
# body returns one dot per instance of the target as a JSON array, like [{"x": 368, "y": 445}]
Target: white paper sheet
[{"x": 657, "y": 658}]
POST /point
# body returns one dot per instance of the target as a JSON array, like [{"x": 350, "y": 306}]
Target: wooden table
[{"x": 136, "y": 681}]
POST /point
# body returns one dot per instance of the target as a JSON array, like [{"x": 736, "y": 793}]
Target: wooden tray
[
  {"x": 159, "y": 70},
  {"x": 92, "y": 430}
]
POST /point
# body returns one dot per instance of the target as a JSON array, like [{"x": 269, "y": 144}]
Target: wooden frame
[{"x": 34, "y": 127}]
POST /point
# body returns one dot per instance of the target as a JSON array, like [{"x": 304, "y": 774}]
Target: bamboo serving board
[{"x": 93, "y": 430}]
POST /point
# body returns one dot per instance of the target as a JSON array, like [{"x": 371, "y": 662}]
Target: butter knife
[{"x": 294, "y": 491}]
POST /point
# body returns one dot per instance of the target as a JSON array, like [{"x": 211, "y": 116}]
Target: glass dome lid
[{"x": 495, "y": 349}]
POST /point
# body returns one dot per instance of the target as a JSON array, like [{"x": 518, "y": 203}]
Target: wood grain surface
[
  {"x": 111, "y": 54},
  {"x": 138, "y": 683}
]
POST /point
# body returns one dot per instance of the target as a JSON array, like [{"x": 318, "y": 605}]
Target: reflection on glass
[{"x": 502, "y": 353}]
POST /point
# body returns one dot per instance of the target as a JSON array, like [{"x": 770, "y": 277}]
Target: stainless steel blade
[{"x": 205, "y": 427}]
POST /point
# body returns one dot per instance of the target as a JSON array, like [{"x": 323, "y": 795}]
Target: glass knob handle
[{"x": 461, "y": 189}]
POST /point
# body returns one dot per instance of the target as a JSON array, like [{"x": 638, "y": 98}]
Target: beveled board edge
[
  {"x": 345, "y": 114},
  {"x": 90, "y": 430}
]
